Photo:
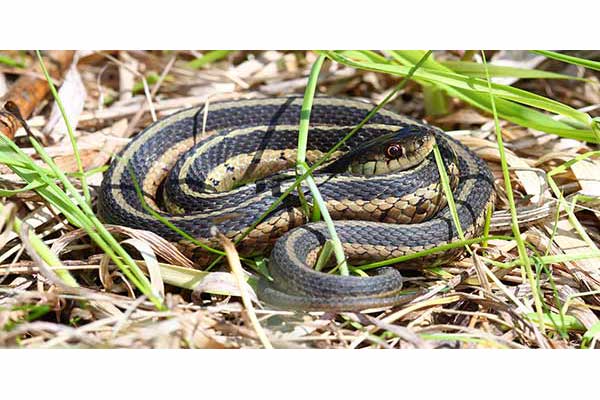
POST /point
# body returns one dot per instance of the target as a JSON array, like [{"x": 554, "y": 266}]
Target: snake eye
[{"x": 394, "y": 151}]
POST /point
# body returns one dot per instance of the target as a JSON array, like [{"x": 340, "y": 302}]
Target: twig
[{"x": 30, "y": 89}]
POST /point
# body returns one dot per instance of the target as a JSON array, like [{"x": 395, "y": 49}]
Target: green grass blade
[
  {"x": 151, "y": 79},
  {"x": 445, "y": 181},
  {"x": 12, "y": 192},
  {"x": 588, "y": 336},
  {"x": 11, "y": 62},
  {"x": 209, "y": 57},
  {"x": 434, "y": 250},
  {"x": 478, "y": 70},
  {"x": 84, "y": 186},
  {"x": 595, "y": 65},
  {"x": 555, "y": 321}
]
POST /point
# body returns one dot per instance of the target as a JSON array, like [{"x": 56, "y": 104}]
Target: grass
[
  {"x": 165, "y": 221},
  {"x": 84, "y": 186},
  {"x": 303, "y": 167},
  {"x": 41, "y": 249},
  {"x": 72, "y": 205},
  {"x": 511, "y": 104},
  {"x": 569, "y": 208},
  {"x": 139, "y": 87},
  {"x": 441, "y": 80},
  {"x": 327, "y": 155},
  {"x": 523, "y": 257},
  {"x": 441, "y": 77},
  {"x": 445, "y": 182},
  {"x": 595, "y": 65},
  {"x": 68, "y": 201},
  {"x": 478, "y": 70},
  {"x": 31, "y": 313},
  {"x": 207, "y": 58},
  {"x": 11, "y": 62}
]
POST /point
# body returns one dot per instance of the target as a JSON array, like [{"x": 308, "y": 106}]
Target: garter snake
[{"x": 203, "y": 168}]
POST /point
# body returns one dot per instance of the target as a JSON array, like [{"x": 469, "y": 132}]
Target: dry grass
[{"x": 484, "y": 300}]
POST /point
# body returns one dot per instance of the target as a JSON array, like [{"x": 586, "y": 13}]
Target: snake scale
[{"x": 225, "y": 164}]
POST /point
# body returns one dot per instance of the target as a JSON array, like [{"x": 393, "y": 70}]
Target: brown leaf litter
[{"x": 483, "y": 300}]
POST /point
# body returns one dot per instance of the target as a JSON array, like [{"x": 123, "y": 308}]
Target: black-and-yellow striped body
[{"x": 242, "y": 140}]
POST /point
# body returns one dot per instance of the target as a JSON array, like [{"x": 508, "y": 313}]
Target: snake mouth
[{"x": 386, "y": 154}]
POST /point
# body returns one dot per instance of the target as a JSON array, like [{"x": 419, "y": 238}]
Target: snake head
[{"x": 389, "y": 153}]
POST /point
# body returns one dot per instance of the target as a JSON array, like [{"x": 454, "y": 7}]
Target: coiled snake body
[{"x": 209, "y": 168}]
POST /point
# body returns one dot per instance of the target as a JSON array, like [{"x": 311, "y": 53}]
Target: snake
[{"x": 222, "y": 165}]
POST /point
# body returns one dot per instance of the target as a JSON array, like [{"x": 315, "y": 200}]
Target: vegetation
[{"x": 529, "y": 281}]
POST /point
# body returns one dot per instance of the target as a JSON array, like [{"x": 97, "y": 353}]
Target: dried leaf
[
  {"x": 72, "y": 94},
  {"x": 152, "y": 267}
]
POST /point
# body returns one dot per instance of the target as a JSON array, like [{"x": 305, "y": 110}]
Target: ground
[{"x": 538, "y": 291}]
